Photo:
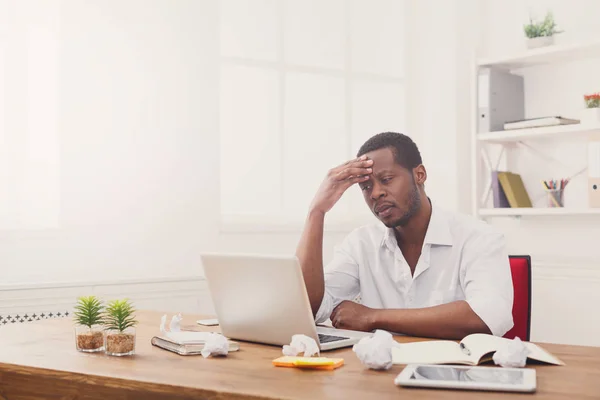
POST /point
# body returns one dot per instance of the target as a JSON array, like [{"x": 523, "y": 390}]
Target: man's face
[{"x": 391, "y": 193}]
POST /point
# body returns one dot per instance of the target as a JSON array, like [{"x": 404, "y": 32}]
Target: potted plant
[
  {"x": 119, "y": 323},
  {"x": 89, "y": 336},
  {"x": 540, "y": 34},
  {"x": 591, "y": 113}
]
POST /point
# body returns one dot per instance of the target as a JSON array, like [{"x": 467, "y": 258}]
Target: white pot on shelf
[
  {"x": 590, "y": 116},
  {"x": 541, "y": 41}
]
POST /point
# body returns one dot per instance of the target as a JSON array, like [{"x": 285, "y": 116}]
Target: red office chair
[{"x": 520, "y": 267}]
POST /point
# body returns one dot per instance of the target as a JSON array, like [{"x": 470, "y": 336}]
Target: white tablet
[{"x": 470, "y": 378}]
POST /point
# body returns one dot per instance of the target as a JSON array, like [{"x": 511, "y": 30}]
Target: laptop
[{"x": 263, "y": 299}]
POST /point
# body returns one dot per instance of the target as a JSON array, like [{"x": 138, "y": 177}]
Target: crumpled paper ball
[
  {"x": 299, "y": 344},
  {"x": 512, "y": 354},
  {"x": 216, "y": 345},
  {"x": 375, "y": 351},
  {"x": 174, "y": 326}
]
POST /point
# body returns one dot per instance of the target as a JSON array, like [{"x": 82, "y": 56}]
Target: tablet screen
[{"x": 482, "y": 375}]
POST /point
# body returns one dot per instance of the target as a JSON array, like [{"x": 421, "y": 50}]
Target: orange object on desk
[{"x": 309, "y": 362}]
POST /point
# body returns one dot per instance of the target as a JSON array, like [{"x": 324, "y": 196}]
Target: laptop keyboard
[{"x": 330, "y": 338}]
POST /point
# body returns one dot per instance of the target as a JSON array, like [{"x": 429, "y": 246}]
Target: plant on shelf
[
  {"x": 541, "y": 33},
  {"x": 592, "y": 100},
  {"x": 88, "y": 316},
  {"x": 591, "y": 113},
  {"x": 119, "y": 323}
]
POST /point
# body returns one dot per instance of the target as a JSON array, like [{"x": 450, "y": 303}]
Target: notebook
[
  {"x": 539, "y": 122},
  {"x": 514, "y": 189},
  {"x": 472, "y": 350},
  {"x": 309, "y": 362},
  {"x": 500, "y": 200},
  {"x": 185, "y": 348}
]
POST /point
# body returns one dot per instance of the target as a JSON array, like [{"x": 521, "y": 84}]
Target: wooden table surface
[{"x": 39, "y": 359}]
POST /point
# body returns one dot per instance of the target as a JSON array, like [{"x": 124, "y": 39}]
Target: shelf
[
  {"x": 547, "y": 132},
  {"x": 545, "y": 55},
  {"x": 518, "y": 212}
]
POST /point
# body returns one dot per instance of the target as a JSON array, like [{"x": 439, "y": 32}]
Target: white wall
[
  {"x": 138, "y": 154},
  {"x": 296, "y": 102}
]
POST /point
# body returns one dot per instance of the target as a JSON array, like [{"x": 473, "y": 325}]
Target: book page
[
  {"x": 539, "y": 354},
  {"x": 433, "y": 352},
  {"x": 480, "y": 344}
]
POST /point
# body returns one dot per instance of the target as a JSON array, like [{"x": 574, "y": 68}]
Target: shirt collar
[{"x": 438, "y": 230}]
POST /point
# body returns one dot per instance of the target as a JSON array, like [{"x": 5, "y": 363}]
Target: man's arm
[
  {"x": 310, "y": 247},
  {"x": 310, "y": 255},
  {"x": 447, "y": 321}
]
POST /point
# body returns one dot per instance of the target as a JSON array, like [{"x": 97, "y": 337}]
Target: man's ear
[{"x": 420, "y": 174}]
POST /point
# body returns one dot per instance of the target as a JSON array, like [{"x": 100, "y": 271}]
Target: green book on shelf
[{"x": 515, "y": 191}]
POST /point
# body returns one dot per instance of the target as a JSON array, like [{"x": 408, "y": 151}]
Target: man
[{"x": 423, "y": 272}]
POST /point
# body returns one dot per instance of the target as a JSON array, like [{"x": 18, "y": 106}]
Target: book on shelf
[
  {"x": 515, "y": 191},
  {"x": 499, "y": 197},
  {"x": 185, "y": 347},
  {"x": 474, "y": 349},
  {"x": 539, "y": 122}
]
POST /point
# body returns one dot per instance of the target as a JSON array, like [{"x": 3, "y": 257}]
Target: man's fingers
[
  {"x": 357, "y": 179},
  {"x": 335, "y": 320},
  {"x": 333, "y": 314},
  {"x": 361, "y": 158},
  {"x": 361, "y": 162},
  {"x": 353, "y": 171}
]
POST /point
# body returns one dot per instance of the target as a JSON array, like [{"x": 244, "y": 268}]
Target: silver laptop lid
[{"x": 259, "y": 298}]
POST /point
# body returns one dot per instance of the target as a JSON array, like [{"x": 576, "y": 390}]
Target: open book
[{"x": 472, "y": 350}]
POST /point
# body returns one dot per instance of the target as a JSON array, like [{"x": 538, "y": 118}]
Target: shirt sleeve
[
  {"x": 487, "y": 281},
  {"x": 341, "y": 281}
]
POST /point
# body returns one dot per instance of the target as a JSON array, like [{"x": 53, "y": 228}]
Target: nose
[{"x": 377, "y": 191}]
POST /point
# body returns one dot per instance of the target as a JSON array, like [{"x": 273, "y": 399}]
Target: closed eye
[{"x": 386, "y": 180}]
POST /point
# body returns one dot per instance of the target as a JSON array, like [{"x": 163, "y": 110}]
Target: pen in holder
[
  {"x": 554, "y": 192},
  {"x": 555, "y": 198}
]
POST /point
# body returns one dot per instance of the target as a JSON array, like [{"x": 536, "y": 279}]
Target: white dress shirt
[{"x": 462, "y": 259}]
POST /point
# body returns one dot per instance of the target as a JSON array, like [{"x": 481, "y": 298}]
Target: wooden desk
[{"x": 39, "y": 360}]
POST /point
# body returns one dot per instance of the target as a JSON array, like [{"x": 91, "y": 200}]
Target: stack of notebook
[
  {"x": 187, "y": 343},
  {"x": 509, "y": 191}
]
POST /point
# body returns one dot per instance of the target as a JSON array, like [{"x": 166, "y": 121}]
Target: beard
[{"x": 414, "y": 205}]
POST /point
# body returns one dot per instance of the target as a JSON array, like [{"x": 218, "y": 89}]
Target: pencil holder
[{"x": 555, "y": 198}]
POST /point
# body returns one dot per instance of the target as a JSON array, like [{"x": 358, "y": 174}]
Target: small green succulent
[
  {"x": 538, "y": 29},
  {"x": 88, "y": 311},
  {"x": 119, "y": 315}
]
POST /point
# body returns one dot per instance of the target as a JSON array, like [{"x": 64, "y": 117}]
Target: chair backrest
[{"x": 520, "y": 267}]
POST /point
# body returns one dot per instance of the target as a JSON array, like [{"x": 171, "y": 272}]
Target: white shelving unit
[
  {"x": 530, "y": 212},
  {"x": 578, "y": 131},
  {"x": 545, "y": 55},
  {"x": 530, "y": 58}
]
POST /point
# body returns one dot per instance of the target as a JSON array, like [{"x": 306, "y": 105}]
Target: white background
[{"x": 126, "y": 167}]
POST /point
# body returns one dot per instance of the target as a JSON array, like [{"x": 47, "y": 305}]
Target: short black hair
[{"x": 406, "y": 153}]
